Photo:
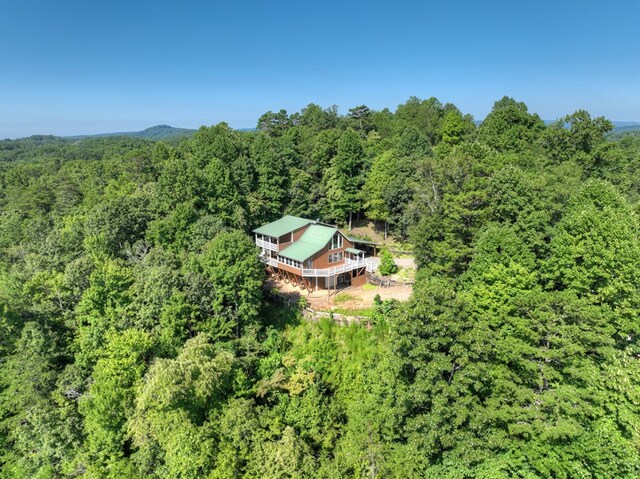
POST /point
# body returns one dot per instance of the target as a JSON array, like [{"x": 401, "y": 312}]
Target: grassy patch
[
  {"x": 369, "y": 287},
  {"x": 343, "y": 297},
  {"x": 405, "y": 274},
  {"x": 399, "y": 248}
]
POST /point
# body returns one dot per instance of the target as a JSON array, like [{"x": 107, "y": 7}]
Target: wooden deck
[{"x": 349, "y": 265}]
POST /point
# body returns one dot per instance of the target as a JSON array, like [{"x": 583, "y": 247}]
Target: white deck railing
[
  {"x": 269, "y": 261},
  {"x": 268, "y": 245},
  {"x": 369, "y": 263},
  {"x": 349, "y": 265}
]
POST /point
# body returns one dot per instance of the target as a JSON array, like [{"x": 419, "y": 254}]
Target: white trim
[
  {"x": 340, "y": 241},
  {"x": 349, "y": 265}
]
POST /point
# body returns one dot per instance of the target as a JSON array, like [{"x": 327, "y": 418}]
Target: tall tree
[
  {"x": 510, "y": 127},
  {"x": 172, "y": 427},
  {"x": 456, "y": 127},
  {"x": 360, "y": 116},
  {"x": 318, "y": 119},
  {"x": 345, "y": 178},
  {"x": 230, "y": 261},
  {"x": 577, "y": 137},
  {"x": 595, "y": 252},
  {"x": 275, "y": 124},
  {"x": 425, "y": 115},
  {"x": 374, "y": 190},
  {"x": 110, "y": 401},
  {"x": 272, "y": 175},
  {"x": 30, "y": 435}
]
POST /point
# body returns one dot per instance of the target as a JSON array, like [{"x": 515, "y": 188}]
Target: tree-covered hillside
[
  {"x": 135, "y": 341},
  {"x": 158, "y": 132}
]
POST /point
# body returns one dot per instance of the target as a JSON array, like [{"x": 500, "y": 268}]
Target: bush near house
[{"x": 387, "y": 265}]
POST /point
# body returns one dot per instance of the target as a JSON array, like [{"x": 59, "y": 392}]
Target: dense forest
[{"x": 136, "y": 341}]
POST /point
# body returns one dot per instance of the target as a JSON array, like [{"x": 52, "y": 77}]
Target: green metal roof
[
  {"x": 354, "y": 251},
  {"x": 312, "y": 240},
  {"x": 284, "y": 225},
  {"x": 358, "y": 240}
]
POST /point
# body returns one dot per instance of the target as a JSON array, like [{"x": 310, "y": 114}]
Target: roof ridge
[
  {"x": 315, "y": 237},
  {"x": 283, "y": 225}
]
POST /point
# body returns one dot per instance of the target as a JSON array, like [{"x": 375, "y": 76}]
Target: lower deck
[{"x": 338, "y": 280}]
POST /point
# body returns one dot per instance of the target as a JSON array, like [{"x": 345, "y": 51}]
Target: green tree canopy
[{"x": 230, "y": 262}]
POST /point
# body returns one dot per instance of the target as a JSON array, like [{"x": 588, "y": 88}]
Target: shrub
[
  {"x": 387, "y": 265},
  {"x": 303, "y": 302}
]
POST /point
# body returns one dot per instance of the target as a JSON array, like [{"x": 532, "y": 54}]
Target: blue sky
[{"x": 72, "y": 67}]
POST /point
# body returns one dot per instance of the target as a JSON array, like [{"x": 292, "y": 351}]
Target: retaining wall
[
  {"x": 313, "y": 315},
  {"x": 386, "y": 282}
]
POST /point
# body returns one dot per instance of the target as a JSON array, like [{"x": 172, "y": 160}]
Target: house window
[
  {"x": 335, "y": 257},
  {"x": 336, "y": 241},
  {"x": 289, "y": 262}
]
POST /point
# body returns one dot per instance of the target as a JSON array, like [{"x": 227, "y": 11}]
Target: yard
[{"x": 355, "y": 299}]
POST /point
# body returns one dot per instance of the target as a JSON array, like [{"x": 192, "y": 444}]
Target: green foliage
[
  {"x": 378, "y": 181},
  {"x": 274, "y": 124},
  {"x": 37, "y": 438},
  {"x": 345, "y": 178},
  {"x": 109, "y": 402},
  {"x": 510, "y": 126},
  {"x": 230, "y": 261},
  {"x": 576, "y": 136},
  {"x": 135, "y": 340},
  {"x": 271, "y": 169},
  {"x": 455, "y": 127},
  {"x": 424, "y": 115},
  {"x": 504, "y": 364},
  {"x": 597, "y": 236},
  {"x": 387, "y": 265},
  {"x": 172, "y": 425}
]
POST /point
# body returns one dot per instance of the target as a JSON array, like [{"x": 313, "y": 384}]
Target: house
[{"x": 313, "y": 255}]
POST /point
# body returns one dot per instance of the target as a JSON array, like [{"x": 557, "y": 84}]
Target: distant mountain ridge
[
  {"x": 627, "y": 127},
  {"x": 158, "y": 132},
  {"x": 166, "y": 132},
  {"x": 620, "y": 132},
  {"x": 620, "y": 128}
]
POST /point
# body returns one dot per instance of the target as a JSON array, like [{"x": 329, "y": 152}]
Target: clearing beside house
[{"x": 350, "y": 299}]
